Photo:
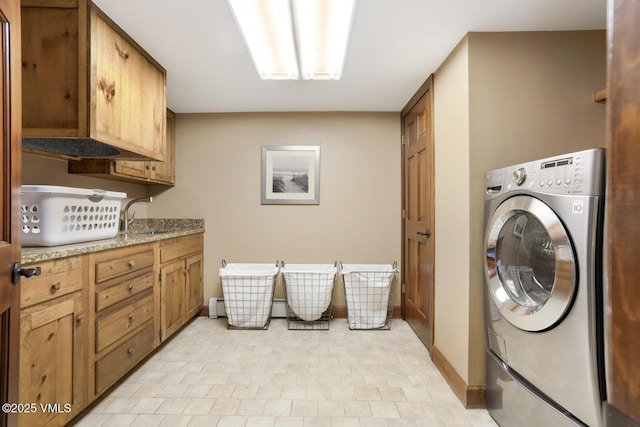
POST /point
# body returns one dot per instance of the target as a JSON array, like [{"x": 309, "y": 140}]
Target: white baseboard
[{"x": 216, "y": 308}]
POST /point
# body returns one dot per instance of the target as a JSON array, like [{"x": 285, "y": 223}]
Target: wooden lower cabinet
[
  {"x": 172, "y": 293},
  {"x": 54, "y": 349},
  {"x": 181, "y": 276},
  {"x": 181, "y": 293},
  {"x": 195, "y": 285},
  {"x": 125, "y": 356},
  {"x": 87, "y": 320},
  {"x": 123, "y": 312}
]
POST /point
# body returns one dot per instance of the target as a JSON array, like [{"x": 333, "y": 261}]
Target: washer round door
[{"x": 530, "y": 265}]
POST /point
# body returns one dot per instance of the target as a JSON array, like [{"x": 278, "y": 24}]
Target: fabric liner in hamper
[
  {"x": 248, "y": 294},
  {"x": 54, "y": 215},
  {"x": 367, "y": 288},
  {"x": 309, "y": 288}
]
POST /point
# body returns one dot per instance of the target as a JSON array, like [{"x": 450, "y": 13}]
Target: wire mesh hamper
[
  {"x": 309, "y": 293},
  {"x": 367, "y": 288},
  {"x": 247, "y": 290},
  {"x": 53, "y": 215}
]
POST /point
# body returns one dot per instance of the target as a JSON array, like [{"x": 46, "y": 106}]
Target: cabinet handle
[
  {"x": 131, "y": 288},
  {"x": 130, "y": 317},
  {"x": 131, "y": 351},
  {"x": 55, "y": 286},
  {"x": 80, "y": 318},
  {"x": 131, "y": 264}
]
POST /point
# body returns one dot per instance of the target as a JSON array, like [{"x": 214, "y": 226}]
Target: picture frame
[{"x": 290, "y": 175}]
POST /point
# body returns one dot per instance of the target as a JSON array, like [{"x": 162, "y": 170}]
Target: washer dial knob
[{"x": 519, "y": 176}]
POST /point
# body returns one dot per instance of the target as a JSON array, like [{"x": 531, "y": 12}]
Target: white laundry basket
[
  {"x": 367, "y": 289},
  {"x": 248, "y": 294},
  {"x": 309, "y": 292},
  {"x": 53, "y": 215}
]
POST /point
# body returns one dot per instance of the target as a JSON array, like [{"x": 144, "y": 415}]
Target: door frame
[
  {"x": 11, "y": 180},
  {"x": 622, "y": 245},
  {"x": 424, "y": 89}
]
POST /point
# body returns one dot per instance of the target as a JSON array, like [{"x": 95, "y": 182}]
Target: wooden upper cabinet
[
  {"x": 165, "y": 172},
  {"x": 89, "y": 90},
  {"x": 149, "y": 172},
  {"x": 153, "y": 172}
]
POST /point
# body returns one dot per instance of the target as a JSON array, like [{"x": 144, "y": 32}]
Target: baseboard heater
[{"x": 216, "y": 308}]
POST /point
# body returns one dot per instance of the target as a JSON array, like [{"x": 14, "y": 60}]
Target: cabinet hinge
[
  {"x": 160, "y": 334},
  {"x": 403, "y": 141},
  {"x": 404, "y": 214},
  {"x": 160, "y": 277},
  {"x": 404, "y": 288}
]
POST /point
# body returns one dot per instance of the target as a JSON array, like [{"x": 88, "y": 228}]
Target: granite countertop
[{"x": 140, "y": 231}]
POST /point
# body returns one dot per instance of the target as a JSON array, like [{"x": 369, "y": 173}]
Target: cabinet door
[
  {"x": 194, "y": 285},
  {"x": 134, "y": 169},
  {"x": 165, "y": 172},
  {"x": 53, "y": 362},
  {"x": 172, "y": 295},
  {"x": 130, "y": 106},
  {"x": 50, "y": 96}
]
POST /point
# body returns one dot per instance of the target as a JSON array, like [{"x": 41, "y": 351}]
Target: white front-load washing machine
[{"x": 543, "y": 291}]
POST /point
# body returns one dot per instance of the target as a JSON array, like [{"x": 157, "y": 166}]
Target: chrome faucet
[{"x": 126, "y": 221}]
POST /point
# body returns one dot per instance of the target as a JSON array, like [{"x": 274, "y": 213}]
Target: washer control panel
[{"x": 576, "y": 173}]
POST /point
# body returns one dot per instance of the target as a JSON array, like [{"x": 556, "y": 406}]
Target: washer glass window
[{"x": 525, "y": 260}]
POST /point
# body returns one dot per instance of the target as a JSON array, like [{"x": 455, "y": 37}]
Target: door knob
[
  {"x": 426, "y": 234},
  {"x": 17, "y": 271}
]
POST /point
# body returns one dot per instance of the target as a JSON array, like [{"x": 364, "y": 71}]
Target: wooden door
[
  {"x": 623, "y": 225},
  {"x": 10, "y": 157},
  {"x": 418, "y": 218},
  {"x": 194, "y": 285},
  {"x": 172, "y": 296}
]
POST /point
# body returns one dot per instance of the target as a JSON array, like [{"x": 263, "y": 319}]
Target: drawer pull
[
  {"x": 55, "y": 286},
  {"x": 131, "y": 287},
  {"x": 80, "y": 319},
  {"x": 131, "y": 350},
  {"x": 131, "y": 317},
  {"x": 131, "y": 264}
]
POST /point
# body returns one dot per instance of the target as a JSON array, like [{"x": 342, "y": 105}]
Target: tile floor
[{"x": 210, "y": 376}]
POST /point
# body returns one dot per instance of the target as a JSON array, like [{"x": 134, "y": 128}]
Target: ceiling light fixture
[{"x": 296, "y": 39}]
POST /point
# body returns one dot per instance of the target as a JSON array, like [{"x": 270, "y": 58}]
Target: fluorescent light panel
[{"x": 293, "y": 39}]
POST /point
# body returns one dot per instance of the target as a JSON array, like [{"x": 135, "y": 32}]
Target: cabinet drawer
[
  {"x": 116, "y": 325},
  {"x": 124, "y": 357},
  {"x": 110, "y": 268},
  {"x": 57, "y": 278},
  {"x": 114, "y": 294},
  {"x": 180, "y": 246}
]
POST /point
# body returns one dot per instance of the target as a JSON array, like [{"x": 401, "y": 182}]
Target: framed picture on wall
[{"x": 290, "y": 175}]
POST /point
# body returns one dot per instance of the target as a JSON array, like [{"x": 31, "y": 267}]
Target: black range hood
[{"x": 77, "y": 149}]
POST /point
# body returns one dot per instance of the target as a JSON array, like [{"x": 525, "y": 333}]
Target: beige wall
[
  {"x": 528, "y": 95},
  {"x": 219, "y": 175},
  {"x": 451, "y": 124}
]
